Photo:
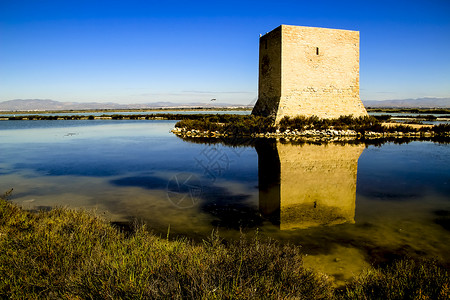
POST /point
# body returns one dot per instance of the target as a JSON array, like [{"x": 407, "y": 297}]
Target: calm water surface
[{"x": 348, "y": 206}]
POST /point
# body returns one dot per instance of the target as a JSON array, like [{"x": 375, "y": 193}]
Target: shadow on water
[
  {"x": 147, "y": 182},
  {"x": 230, "y": 210},
  {"x": 443, "y": 218}
]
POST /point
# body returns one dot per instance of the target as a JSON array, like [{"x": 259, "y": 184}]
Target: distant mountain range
[
  {"x": 41, "y": 105},
  {"x": 410, "y": 103}
]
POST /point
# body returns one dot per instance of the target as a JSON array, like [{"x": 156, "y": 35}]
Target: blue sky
[{"x": 191, "y": 51}]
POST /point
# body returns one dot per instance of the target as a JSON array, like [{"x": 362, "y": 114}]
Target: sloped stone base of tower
[
  {"x": 267, "y": 107},
  {"x": 324, "y": 106}
]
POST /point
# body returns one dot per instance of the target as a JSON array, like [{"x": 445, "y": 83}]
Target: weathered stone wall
[
  {"x": 318, "y": 74},
  {"x": 269, "y": 85}
]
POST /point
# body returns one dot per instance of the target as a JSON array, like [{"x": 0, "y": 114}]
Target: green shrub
[
  {"x": 360, "y": 124},
  {"x": 441, "y": 129},
  {"x": 229, "y": 124}
]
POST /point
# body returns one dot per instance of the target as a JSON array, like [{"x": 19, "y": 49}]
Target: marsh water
[{"x": 348, "y": 205}]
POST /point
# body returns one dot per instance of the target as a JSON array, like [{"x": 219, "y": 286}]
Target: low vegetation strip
[
  {"x": 68, "y": 254},
  {"x": 254, "y": 126},
  {"x": 155, "y": 116}
]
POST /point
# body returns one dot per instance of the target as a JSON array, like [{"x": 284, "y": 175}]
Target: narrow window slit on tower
[{"x": 317, "y": 50}]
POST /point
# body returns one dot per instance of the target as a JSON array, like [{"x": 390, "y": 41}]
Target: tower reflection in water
[{"x": 308, "y": 185}]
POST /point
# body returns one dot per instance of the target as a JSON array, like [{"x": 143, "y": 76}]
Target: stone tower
[{"x": 309, "y": 71}]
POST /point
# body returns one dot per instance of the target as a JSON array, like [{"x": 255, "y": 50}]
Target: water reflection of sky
[
  {"x": 402, "y": 172},
  {"x": 112, "y": 163},
  {"x": 138, "y": 169}
]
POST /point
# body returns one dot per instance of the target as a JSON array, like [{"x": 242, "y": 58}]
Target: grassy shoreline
[
  {"x": 158, "y": 116},
  {"x": 37, "y": 112},
  {"x": 301, "y": 126},
  {"x": 72, "y": 254}
]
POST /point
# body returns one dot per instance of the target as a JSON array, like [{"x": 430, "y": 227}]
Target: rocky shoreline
[{"x": 310, "y": 133}]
